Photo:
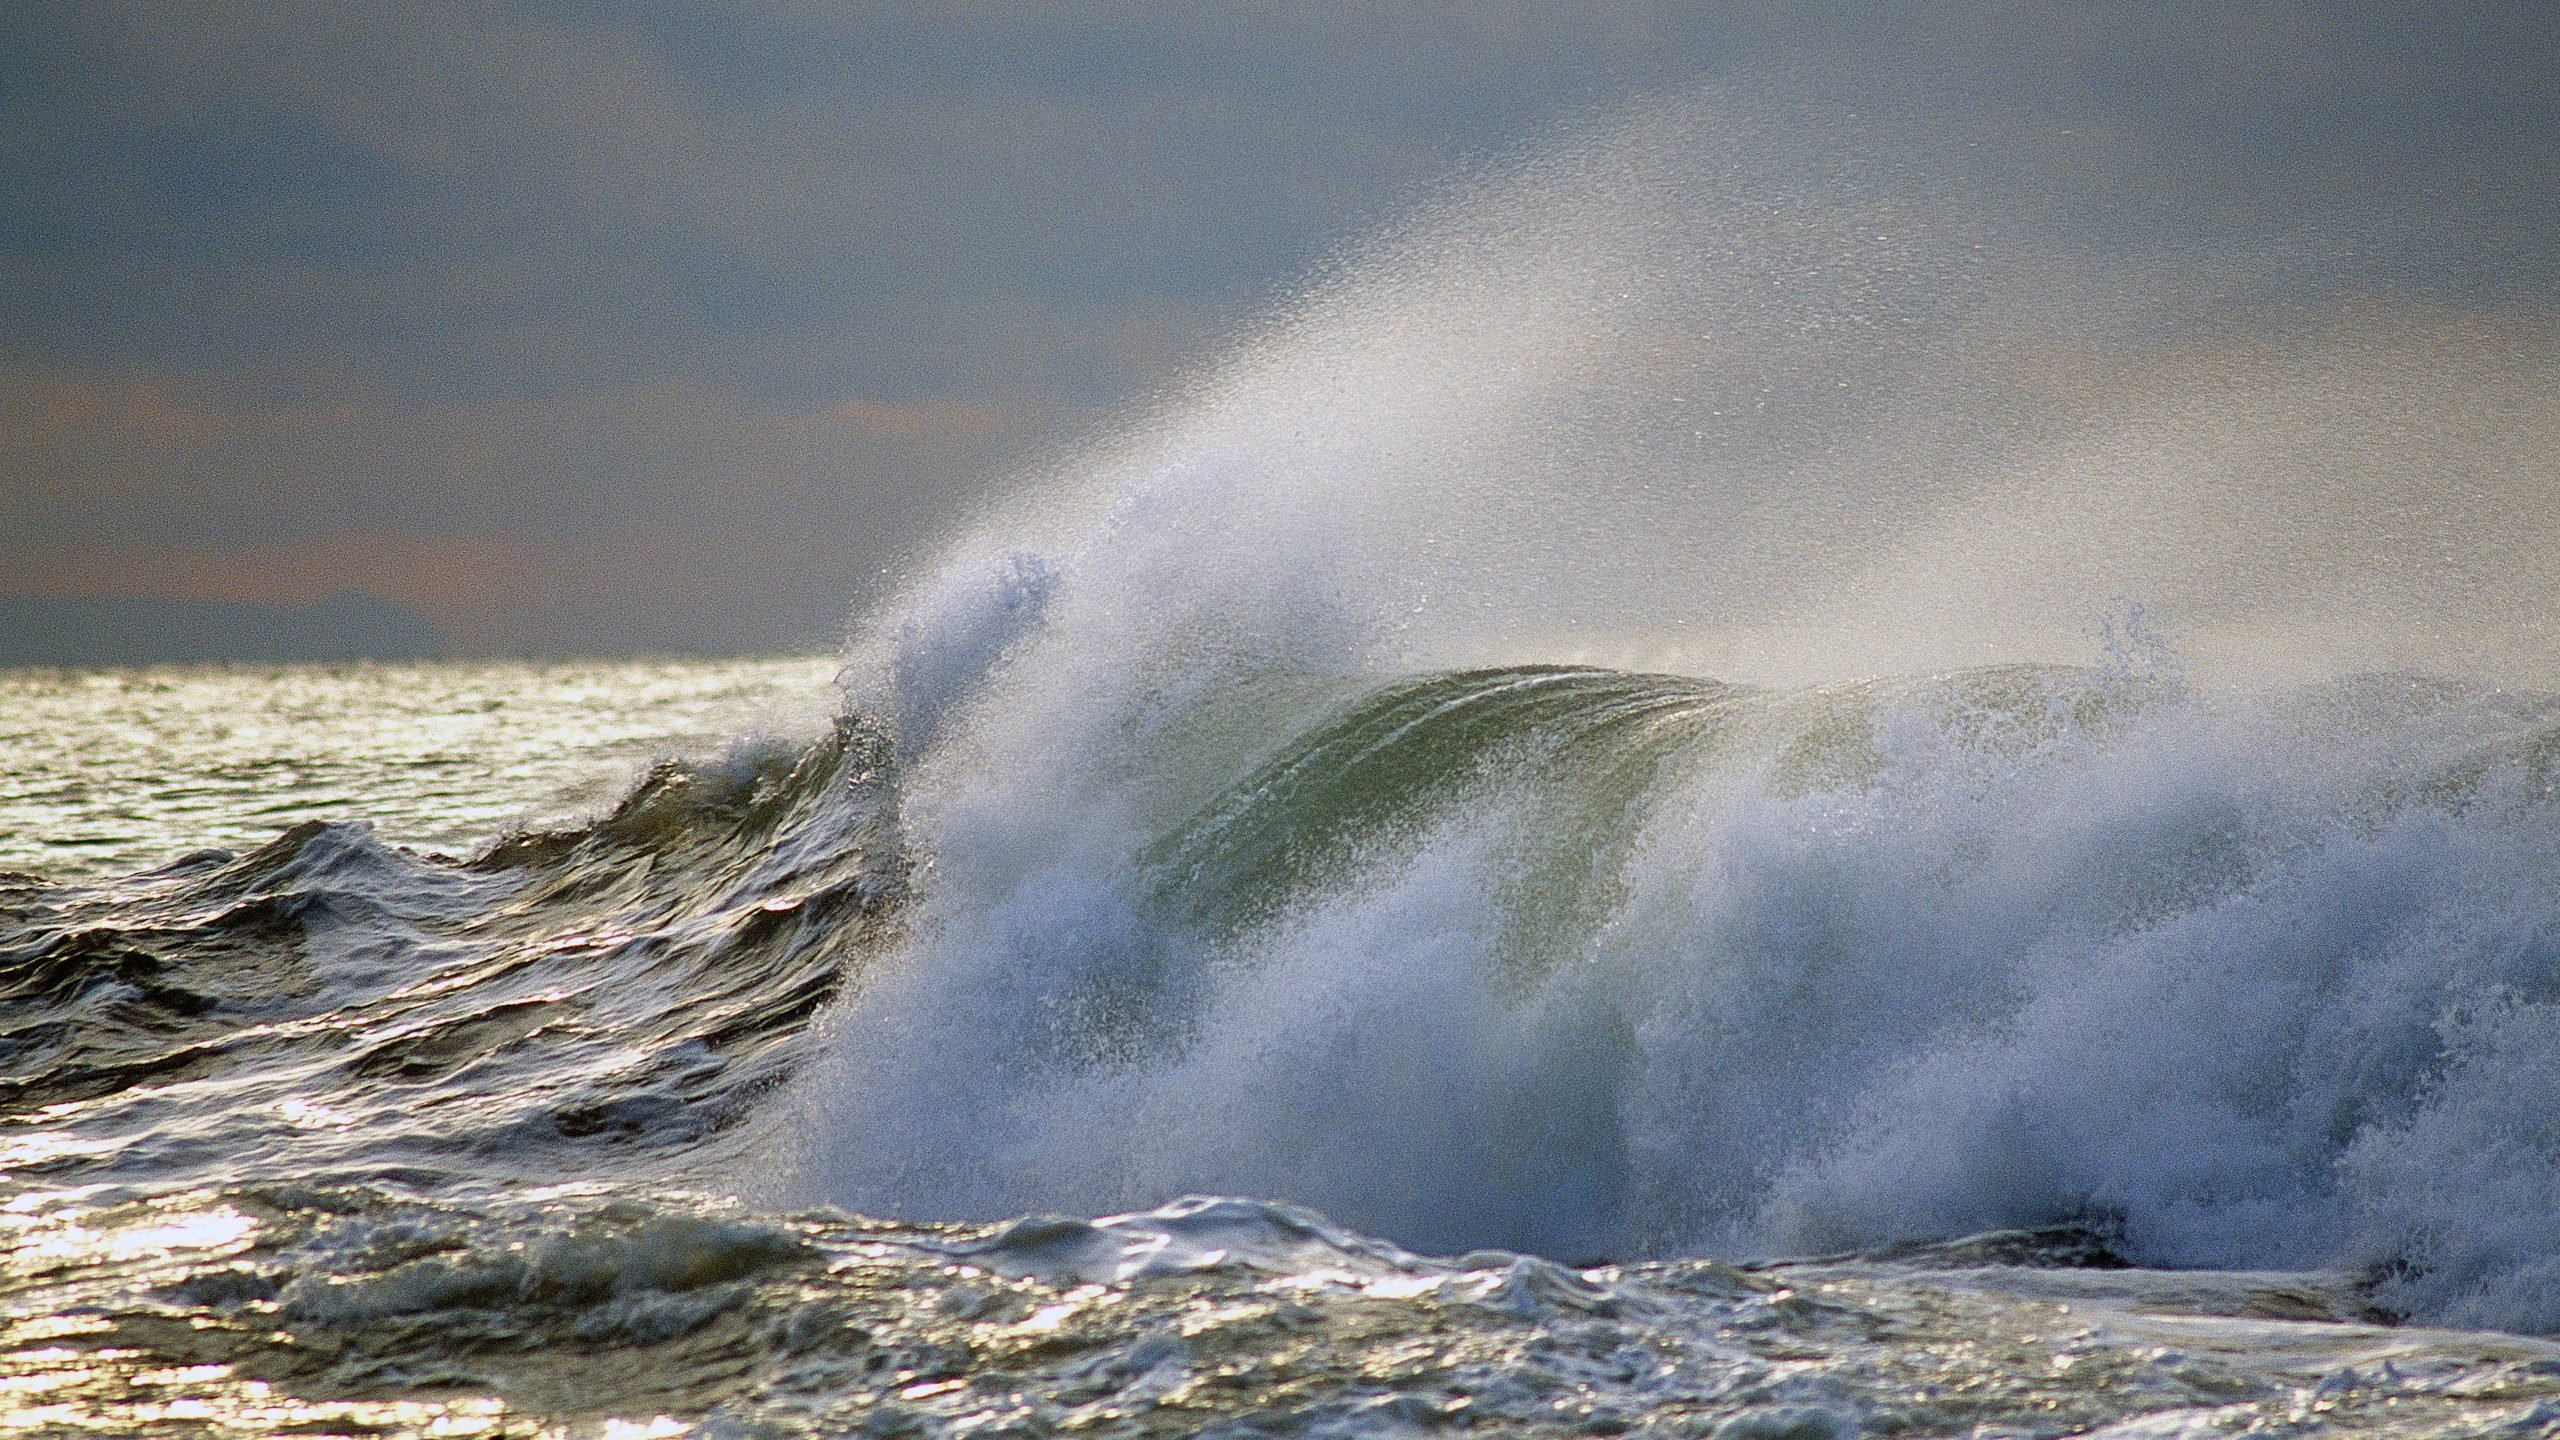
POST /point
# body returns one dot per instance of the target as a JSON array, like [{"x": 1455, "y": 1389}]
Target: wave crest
[{"x": 1586, "y": 963}]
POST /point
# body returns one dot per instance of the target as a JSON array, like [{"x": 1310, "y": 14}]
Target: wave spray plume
[{"x": 1315, "y": 796}]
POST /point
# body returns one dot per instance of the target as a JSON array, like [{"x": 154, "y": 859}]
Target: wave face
[
  {"x": 1583, "y": 963},
  {"x": 1312, "y": 798},
  {"x": 334, "y": 1133},
  {"x": 1311, "y": 803}
]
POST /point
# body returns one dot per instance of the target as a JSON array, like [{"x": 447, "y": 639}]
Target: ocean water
[
  {"x": 1719, "y": 788},
  {"x": 2128, "y": 1061},
  {"x": 112, "y": 771}
]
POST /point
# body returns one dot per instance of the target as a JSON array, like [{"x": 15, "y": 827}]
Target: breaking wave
[
  {"x": 1590, "y": 963},
  {"x": 1311, "y": 793}
]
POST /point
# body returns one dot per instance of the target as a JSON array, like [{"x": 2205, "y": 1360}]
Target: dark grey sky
[{"x": 581, "y": 326}]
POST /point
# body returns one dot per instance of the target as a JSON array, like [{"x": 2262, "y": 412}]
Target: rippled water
[
  {"x": 329, "y": 1137},
  {"x": 110, "y": 771},
  {"x": 2057, "y": 934}
]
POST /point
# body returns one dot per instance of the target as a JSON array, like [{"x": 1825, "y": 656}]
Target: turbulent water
[
  {"x": 112, "y": 771},
  {"x": 1616, "y": 969},
  {"x": 1706, "y": 793}
]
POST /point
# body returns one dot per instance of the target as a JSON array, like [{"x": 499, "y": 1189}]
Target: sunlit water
[
  {"x": 1716, "y": 696},
  {"x": 330, "y": 1138},
  {"x": 111, "y": 771}
]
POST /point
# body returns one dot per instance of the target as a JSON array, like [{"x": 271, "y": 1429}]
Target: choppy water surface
[
  {"x": 1721, "y": 788},
  {"x": 110, "y": 771},
  {"x": 331, "y": 1137}
]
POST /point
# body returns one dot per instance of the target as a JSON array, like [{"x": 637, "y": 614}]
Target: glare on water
[{"x": 104, "y": 772}]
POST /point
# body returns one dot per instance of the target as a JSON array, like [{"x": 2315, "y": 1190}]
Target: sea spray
[
  {"x": 1317, "y": 792},
  {"x": 1913, "y": 931}
]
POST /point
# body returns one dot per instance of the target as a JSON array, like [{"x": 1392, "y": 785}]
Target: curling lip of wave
[{"x": 1583, "y": 962}]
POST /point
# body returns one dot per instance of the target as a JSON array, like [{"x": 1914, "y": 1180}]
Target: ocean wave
[
  {"x": 1595, "y": 964},
  {"x": 1548, "y": 959}
]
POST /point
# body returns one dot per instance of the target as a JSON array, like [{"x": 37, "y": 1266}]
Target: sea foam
[{"x": 2238, "y": 944}]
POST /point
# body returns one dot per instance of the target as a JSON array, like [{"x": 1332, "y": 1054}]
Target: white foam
[{"x": 2200, "y": 970}]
